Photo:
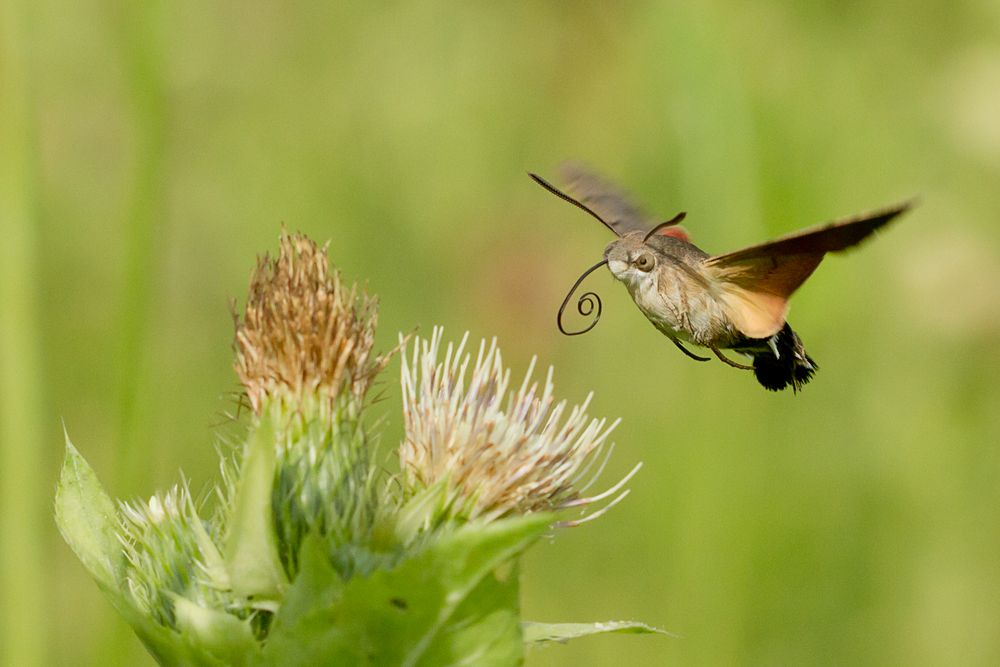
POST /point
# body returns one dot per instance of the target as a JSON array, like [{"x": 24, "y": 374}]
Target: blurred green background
[{"x": 150, "y": 150}]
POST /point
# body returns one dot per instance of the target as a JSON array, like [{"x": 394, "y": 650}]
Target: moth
[{"x": 737, "y": 301}]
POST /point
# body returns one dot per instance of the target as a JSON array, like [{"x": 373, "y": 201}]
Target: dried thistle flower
[
  {"x": 303, "y": 332},
  {"x": 496, "y": 460},
  {"x": 304, "y": 354}
]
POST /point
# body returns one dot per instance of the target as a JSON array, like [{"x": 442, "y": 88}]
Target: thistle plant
[{"x": 314, "y": 554}]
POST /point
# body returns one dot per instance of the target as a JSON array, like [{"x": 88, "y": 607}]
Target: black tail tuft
[{"x": 784, "y": 363}]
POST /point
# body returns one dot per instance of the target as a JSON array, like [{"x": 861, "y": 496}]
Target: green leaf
[
  {"x": 541, "y": 633},
  {"x": 87, "y": 518},
  {"x": 304, "y": 626},
  {"x": 164, "y": 644},
  {"x": 215, "y": 633},
  {"x": 447, "y": 605},
  {"x": 421, "y": 512},
  {"x": 486, "y": 628},
  {"x": 251, "y": 549}
]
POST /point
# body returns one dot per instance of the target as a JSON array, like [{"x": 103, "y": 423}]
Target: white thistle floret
[{"x": 497, "y": 457}]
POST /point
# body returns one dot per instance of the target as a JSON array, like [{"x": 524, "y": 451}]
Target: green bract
[{"x": 314, "y": 555}]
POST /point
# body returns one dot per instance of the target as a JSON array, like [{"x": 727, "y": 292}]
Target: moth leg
[
  {"x": 726, "y": 360},
  {"x": 686, "y": 351}
]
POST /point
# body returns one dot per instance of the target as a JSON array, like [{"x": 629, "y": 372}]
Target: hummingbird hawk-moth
[{"x": 735, "y": 301}]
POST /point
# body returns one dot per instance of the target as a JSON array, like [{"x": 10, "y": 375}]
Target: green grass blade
[{"x": 22, "y": 629}]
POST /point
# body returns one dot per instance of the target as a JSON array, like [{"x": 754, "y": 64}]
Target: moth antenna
[
  {"x": 565, "y": 197},
  {"x": 585, "y": 305},
  {"x": 669, "y": 223}
]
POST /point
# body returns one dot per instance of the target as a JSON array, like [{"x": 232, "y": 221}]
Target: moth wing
[
  {"x": 755, "y": 283},
  {"x": 604, "y": 198},
  {"x": 755, "y": 291},
  {"x": 829, "y": 237}
]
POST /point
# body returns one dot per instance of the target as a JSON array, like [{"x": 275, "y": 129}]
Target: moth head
[{"x": 631, "y": 258}]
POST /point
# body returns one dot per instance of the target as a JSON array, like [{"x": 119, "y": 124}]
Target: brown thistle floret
[{"x": 303, "y": 332}]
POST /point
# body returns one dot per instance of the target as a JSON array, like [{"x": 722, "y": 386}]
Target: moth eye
[{"x": 644, "y": 262}]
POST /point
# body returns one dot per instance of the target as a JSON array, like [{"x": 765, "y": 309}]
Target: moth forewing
[
  {"x": 601, "y": 196},
  {"x": 830, "y": 237}
]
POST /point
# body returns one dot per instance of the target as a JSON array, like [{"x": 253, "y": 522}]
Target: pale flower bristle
[
  {"x": 498, "y": 454},
  {"x": 303, "y": 332}
]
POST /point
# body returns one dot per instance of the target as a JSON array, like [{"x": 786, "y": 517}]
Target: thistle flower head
[
  {"x": 303, "y": 332},
  {"x": 169, "y": 554},
  {"x": 498, "y": 454}
]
